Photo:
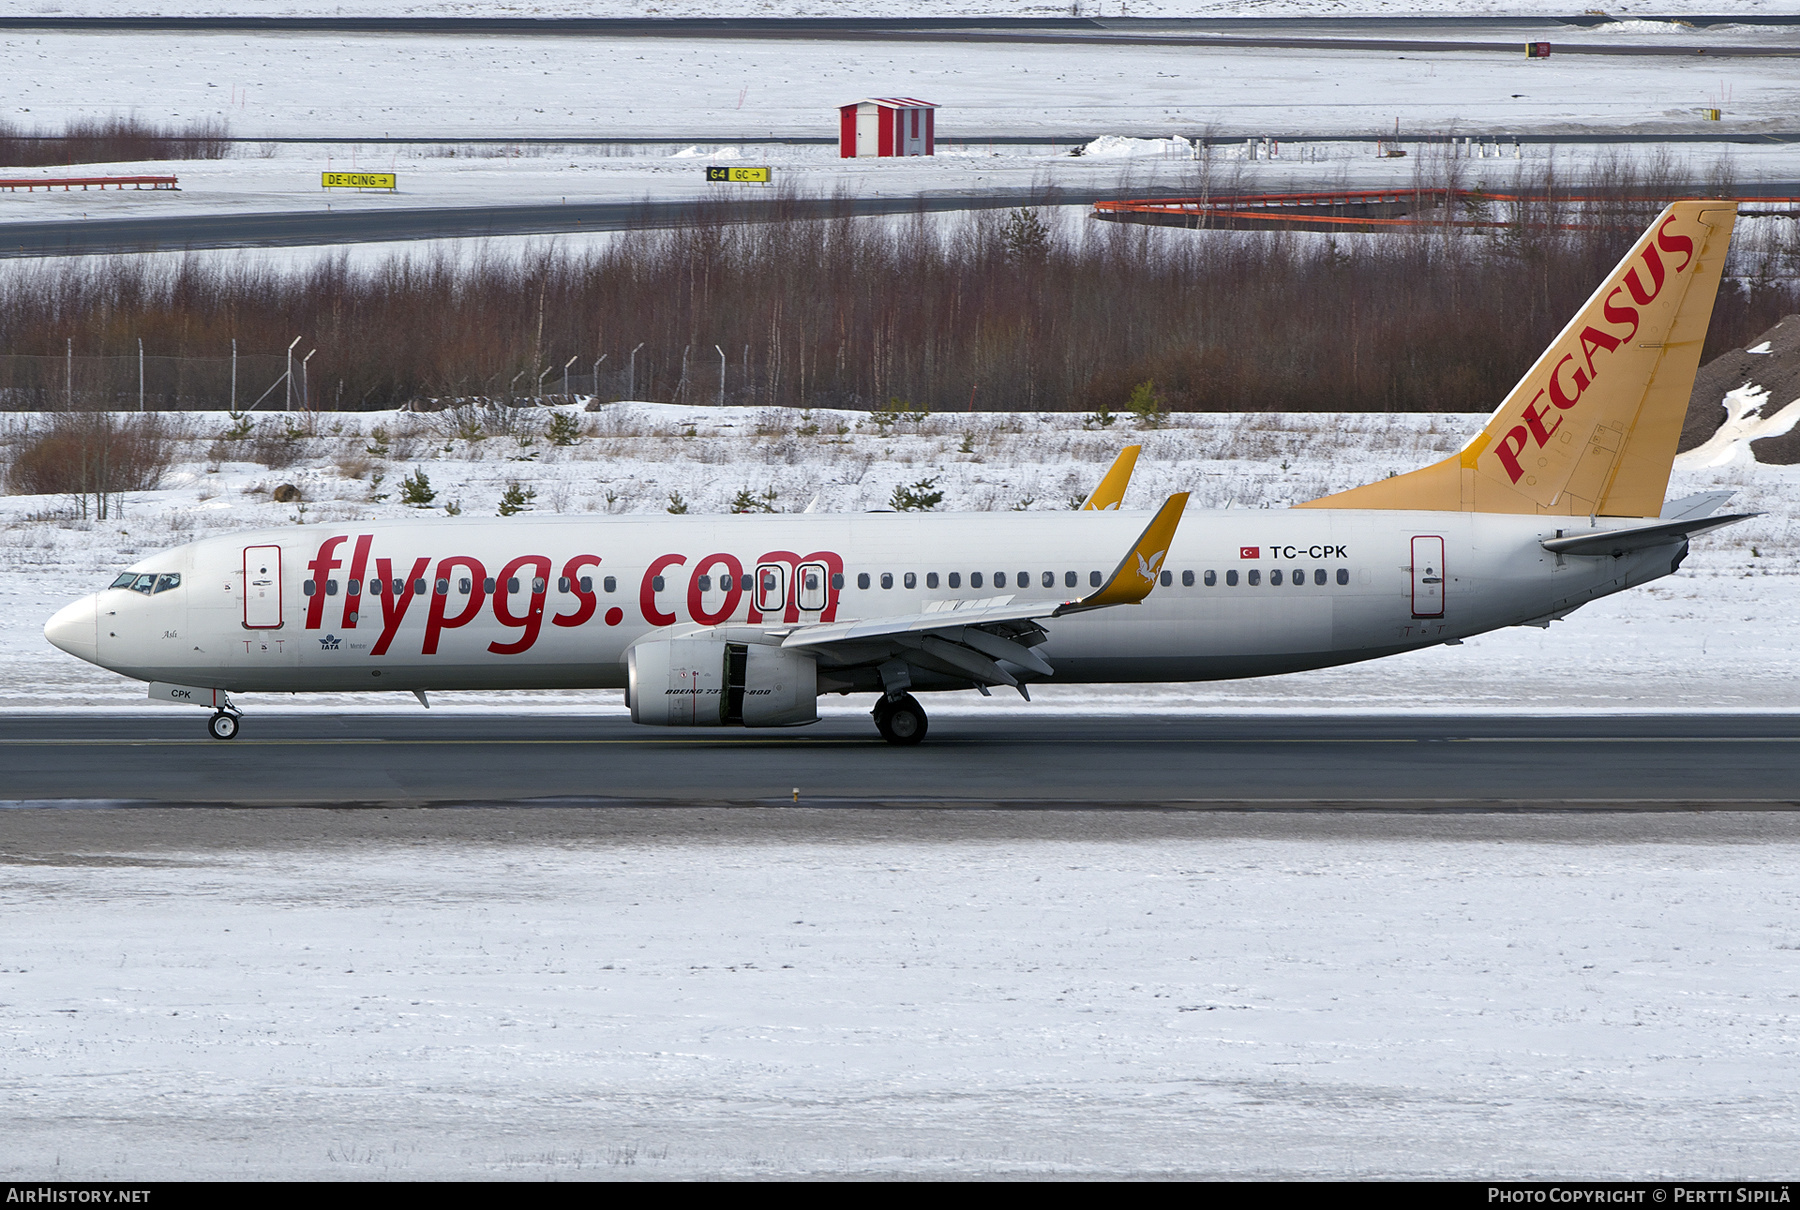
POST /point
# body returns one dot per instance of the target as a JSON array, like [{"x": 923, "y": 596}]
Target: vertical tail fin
[{"x": 1592, "y": 428}]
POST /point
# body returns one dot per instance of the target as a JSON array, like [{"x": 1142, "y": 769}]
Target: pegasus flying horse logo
[{"x": 1148, "y": 569}]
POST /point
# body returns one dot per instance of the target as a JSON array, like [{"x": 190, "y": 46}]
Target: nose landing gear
[
  {"x": 900, "y": 720},
  {"x": 223, "y": 725}
]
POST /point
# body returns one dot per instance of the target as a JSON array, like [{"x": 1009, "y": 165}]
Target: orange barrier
[
  {"x": 1366, "y": 209},
  {"x": 31, "y": 184}
]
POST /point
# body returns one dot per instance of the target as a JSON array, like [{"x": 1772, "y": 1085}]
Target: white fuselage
[{"x": 1245, "y": 593}]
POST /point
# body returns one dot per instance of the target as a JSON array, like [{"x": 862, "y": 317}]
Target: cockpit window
[
  {"x": 145, "y": 583},
  {"x": 168, "y": 580},
  {"x": 124, "y": 580}
]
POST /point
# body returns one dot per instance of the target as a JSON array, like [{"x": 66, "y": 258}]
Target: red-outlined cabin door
[
  {"x": 262, "y": 588},
  {"x": 809, "y": 586},
  {"x": 1427, "y": 576}
]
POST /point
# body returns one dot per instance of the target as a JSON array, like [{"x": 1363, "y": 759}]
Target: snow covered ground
[
  {"x": 559, "y": 994},
  {"x": 913, "y": 9},
  {"x": 1719, "y": 635},
  {"x": 431, "y": 85}
]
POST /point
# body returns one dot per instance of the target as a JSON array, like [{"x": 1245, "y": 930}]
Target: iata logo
[{"x": 329, "y": 642}]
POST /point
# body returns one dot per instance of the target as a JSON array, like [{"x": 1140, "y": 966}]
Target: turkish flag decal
[{"x": 1249, "y": 552}]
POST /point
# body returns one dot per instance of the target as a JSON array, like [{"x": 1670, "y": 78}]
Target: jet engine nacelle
[{"x": 704, "y": 682}]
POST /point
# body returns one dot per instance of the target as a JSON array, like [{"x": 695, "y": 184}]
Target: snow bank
[{"x": 1120, "y": 147}]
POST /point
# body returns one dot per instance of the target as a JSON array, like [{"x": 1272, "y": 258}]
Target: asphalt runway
[
  {"x": 109, "y": 237},
  {"x": 1016, "y": 760}
]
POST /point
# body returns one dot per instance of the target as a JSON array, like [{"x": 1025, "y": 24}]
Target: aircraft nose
[{"x": 76, "y": 629}]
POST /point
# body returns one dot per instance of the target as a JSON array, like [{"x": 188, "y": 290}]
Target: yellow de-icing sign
[
  {"x": 742, "y": 175},
  {"x": 358, "y": 180}
]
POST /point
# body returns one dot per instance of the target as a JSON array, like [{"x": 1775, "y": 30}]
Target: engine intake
[{"x": 705, "y": 682}]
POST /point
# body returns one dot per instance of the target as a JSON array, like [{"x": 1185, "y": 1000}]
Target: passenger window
[
  {"x": 487, "y": 585},
  {"x": 956, "y": 579},
  {"x": 587, "y": 583},
  {"x": 1212, "y": 578},
  {"x": 930, "y": 580},
  {"x": 974, "y": 580},
  {"x": 999, "y": 579},
  {"x": 1230, "y": 578},
  {"x": 419, "y": 587},
  {"x": 1023, "y": 580},
  {"x": 443, "y": 588},
  {"x": 355, "y": 588},
  {"x": 705, "y": 583},
  {"x": 862, "y": 579},
  {"x": 725, "y": 583},
  {"x": 512, "y": 584},
  {"x": 537, "y": 583},
  {"x": 562, "y": 583},
  {"x": 124, "y": 579},
  {"x": 911, "y": 580},
  {"x": 1343, "y": 575},
  {"x": 465, "y": 585},
  {"x": 1069, "y": 579},
  {"x": 1093, "y": 579},
  {"x": 331, "y": 587},
  {"x": 1049, "y": 579},
  {"x": 1274, "y": 577},
  {"x": 168, "y": 580},
  {"x": 609, "y": 584},
  {"x": 1299, "y": 577},
  {"x": 1318, "y": 575},
  {"x": 1255, "y": 577},
  {"x": 306, "y": 589},
  {"x": 656, "y": 583},
  {"x": 1168, "y": 578},
  {"x": 837, "y": 580},
  {"x": 887, "y": 579},
  {"x": 1187, "y": 579}
]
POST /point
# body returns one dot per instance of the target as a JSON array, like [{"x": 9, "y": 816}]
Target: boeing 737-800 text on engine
[{"x": 717, "y": 621}]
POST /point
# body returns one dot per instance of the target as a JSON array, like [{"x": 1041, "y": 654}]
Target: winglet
[
  {"x": 1111, "y": 492},
  {"x": 1134, "y": 577}
]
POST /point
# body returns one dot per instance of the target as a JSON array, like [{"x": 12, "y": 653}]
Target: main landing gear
[
  {"x": 901, "y": 720},
  {"x": 223, "y": 725}
]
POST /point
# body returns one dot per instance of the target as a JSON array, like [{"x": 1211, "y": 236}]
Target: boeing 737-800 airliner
[{"x": 747, "y": 620}]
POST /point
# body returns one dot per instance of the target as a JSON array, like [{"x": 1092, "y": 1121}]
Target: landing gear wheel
[
  {"x": 902, "y": 721},
  {"x": 223, "y": 725}
]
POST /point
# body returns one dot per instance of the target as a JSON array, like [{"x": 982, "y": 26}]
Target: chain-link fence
[{"x": 152, "y": 384}]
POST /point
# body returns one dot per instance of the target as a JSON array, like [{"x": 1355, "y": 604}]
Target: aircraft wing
[
  {"x": 971, "y": 638},
  {"x": 1618, "y": 542},
  {"x": 1109, "y": 494}
]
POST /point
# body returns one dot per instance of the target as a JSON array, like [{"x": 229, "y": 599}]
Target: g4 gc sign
[{"x": 758, "y": 176}]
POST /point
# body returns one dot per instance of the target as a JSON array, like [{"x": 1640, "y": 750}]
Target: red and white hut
[{"x": 886, "y": 126}]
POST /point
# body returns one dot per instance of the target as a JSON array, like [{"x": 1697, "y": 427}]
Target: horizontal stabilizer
[
  {"x": 1616, "y": 542},
  {"x": 1700, "y": 504}
]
